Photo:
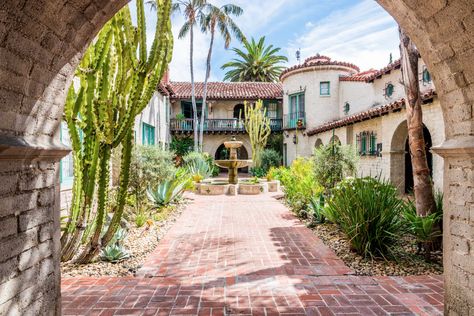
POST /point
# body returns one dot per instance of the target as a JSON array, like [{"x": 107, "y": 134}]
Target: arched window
[
  {"x": 318, "y": 143},
  {"x": 347, "y": 108},
  {"x": 426, "y": 76},
  {"x": 389, "y": 88},
  {"x": 239, "y": 111}
]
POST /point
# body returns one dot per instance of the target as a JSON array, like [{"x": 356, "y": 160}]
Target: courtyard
[{"x": 247, "y": 255}]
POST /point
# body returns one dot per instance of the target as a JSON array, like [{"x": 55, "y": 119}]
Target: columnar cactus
[
  {"x": 117, "y": 79},
  {"x": 257, "y": 125}
]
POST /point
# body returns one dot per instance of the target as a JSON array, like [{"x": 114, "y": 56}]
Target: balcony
[
  {"x": 294, "y": 120},
  {"x": 218, "y": 125}
]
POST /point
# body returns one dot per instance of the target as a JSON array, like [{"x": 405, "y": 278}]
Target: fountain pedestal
[{"x": 233, "y": 164}]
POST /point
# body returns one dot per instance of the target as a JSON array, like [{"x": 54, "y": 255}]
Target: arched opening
[
  {"x": 239, "y": 111},
  {"x": 401, "y": 170},
  {"x": 222, "y": 153},
  {"x": 42, "y": 51},
  {"x": 318, "y": 143},
  {"x": 408, "y": 187}
]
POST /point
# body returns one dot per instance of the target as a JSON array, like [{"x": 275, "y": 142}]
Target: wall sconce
[
  {"x": 286, "y": 134},
  {"x": 295, "y": 139}
]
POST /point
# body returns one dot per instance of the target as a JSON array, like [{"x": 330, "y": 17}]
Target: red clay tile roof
[
  {"x": 318, "y": 60},
  {"x": 371, "y": 75},
  {"x": 366, "y": 115},
  {"x": 228, "y": 90}
]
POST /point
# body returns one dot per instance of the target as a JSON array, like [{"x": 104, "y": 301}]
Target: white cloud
[{"x": 363, "y": 34}]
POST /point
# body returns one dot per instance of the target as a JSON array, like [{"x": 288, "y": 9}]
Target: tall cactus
[
  {"x": 117, "y": 79},
  {"x": 257, "y": 125}
]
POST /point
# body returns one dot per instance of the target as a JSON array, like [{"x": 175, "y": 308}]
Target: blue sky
[{"x": 357, "y": 31}]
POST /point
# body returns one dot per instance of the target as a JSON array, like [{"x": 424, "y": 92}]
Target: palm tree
[
  {"x": 259, "y": 63},
  {"x": 220, "y": 18},
  {"x": 193, "y": 11},
  {"x": 423, "y": 188}
]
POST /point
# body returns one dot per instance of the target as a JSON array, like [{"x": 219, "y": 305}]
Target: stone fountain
[{"x": 233, "y": 164}]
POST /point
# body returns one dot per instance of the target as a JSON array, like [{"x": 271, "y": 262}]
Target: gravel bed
[
  {"x": 139, "y": 242},
  {"x": 408, "y": 262}
]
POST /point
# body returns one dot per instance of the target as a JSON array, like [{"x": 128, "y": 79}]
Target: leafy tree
[
  {"x": 218, "y": 18},
  {"x": 258, "y": 63}
]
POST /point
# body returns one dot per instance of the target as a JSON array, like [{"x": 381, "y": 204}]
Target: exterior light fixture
[{"x": 295, "y": 139}]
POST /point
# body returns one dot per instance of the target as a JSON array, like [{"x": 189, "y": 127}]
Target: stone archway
[
  {"x": 401, "y": 172},
  {"x": 41, "y": 42}
]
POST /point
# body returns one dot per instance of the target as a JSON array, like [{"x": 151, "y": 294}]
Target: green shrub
[
  {"x": 258, "y": 172},
  {"x": 270, "y": 158},
  {"x": 181, "y": 145},
  {"x": 332, "y": 163},
  {"x": 300, "y": 185},
  {"x": 424, "y": 228},
  {"x": 150, "y": 166},
  {"x": 369, "y": 212},
  {"x": 275, "y": 142},
  {"x": 277, "y": 173}
]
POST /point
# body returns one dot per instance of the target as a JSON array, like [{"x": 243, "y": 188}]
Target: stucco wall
[
  {"x": 390, "y": 133},
  {"x": 155, "y": 114}
]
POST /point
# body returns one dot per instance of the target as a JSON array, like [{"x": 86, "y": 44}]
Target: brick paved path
[{"x": 247, "y": 255}]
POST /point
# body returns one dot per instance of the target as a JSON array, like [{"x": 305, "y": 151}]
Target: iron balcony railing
[
  {"x": 294, "y": 120},
  {"x": 218, "y": 125}
]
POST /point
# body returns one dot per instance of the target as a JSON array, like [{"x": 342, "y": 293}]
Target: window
[
  {"x": 324, "y": 88},
  {"x": 347, "y": 108},
  {"x": 187, "y": 109},
  {"x": 389, "y": 88},
  {"x": 367, "y": 143},
  {"x": 66, "y": 166},
  {"x": 148, "y": 134},
  {"x": 426, "y": 76},
  {"x": 272, "y": 109},
  {"x": 297, "y": 111}
]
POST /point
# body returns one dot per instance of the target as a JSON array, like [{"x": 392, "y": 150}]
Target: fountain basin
[{"x": 230, "y": 164}]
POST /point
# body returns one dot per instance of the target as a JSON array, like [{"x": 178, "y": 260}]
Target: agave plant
[
  {"x": 199, "y": 169},
  {"x": 316, "y": 206},
  {"x": 424, "y": 228},
  {"x": 115, "y": 253},
  {"x": 169, "y": 191}
]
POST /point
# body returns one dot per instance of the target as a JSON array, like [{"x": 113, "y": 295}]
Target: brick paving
[{"x": 247, "y": 255}]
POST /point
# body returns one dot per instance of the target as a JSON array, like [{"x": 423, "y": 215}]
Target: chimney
[{"x": 166, "y": 77}]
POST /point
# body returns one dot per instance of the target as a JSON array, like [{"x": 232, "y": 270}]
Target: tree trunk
[
  {"x": 193, "y": 90},
  {"x": 204, "y": 93},
  {"x": 423, "y": 187}
]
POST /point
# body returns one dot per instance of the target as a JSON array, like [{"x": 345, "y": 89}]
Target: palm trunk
[
  {"x": 204, "y": 93},
  {"x": 423, "y": 187},
  {"x": 193, "y": 90}
]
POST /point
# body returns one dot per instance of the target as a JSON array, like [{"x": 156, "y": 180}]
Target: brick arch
[{"x": 41, "y": 42}]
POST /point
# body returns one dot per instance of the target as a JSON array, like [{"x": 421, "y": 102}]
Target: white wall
[{"x": 157, "y": 114}]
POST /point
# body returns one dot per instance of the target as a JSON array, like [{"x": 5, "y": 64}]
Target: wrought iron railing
[
  {"x": 294, "y": 120},
  {"x": 218, "y": 125}
]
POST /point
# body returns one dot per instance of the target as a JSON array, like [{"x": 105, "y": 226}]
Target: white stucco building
[{"x": 325, "y": 99}]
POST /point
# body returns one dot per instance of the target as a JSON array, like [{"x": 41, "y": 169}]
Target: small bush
[
  {"x": 332, "y": 163},
  {"x": 369, "y": 212},
  {"x": 277, "y": 174},
  {"x": 316, "y": 212},
  {"x": 181, "y": 146},
  {"x": 150, "y": 166},
  {"x": 258, "y": 172},
  {"x": 299, "y": 183},
  {"x": 270, "y": 158}
]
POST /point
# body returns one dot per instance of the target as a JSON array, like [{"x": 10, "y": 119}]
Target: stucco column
[
  {"x": 458, "y": 224},
  {"x": 29, "y": 225}
]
